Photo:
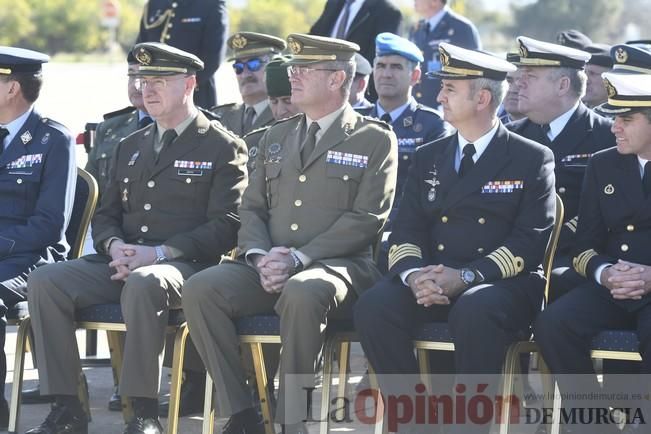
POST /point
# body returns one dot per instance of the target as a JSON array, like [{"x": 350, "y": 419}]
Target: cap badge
[
  {"x": 295, "y": 46},
  {"x": 523, "y": 50},
  {"x": 239, "y": 42},
  {"x": 445, "y": 57},
  {"x": 143, "y": 56},
  {"x": 561, "y": 39},
  {"x": 609, "y": 189},
  {"x": 610, "y": 88},
  {"x": 621, "y": 56}
]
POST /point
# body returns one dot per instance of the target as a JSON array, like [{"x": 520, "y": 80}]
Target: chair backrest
[
  {"x": 550, "y": 251},
  {"x": 82, "y": 212}
]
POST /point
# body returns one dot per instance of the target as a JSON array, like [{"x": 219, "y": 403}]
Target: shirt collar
[
  {"x": 395, "y": 113},
  {"x": 557, "y": 125},
  {"x": 259, "y": 107},
  {"x": 642, "y": 162},
  {"x": 14, "y": 126},
  {"x": 325, "y": 122},
  {"x": 435, "y": 19},
  {"x": 180, "y": 127},
  {"x": 480, "y": 144},
  {"x": 142, "y": 115}
]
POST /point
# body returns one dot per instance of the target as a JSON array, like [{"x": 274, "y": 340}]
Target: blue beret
[
  {"x": 387, "y": 44},
  {"x": 14, "y": 60}
]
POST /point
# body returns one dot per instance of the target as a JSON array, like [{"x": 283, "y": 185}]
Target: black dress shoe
[
  {"x": 141, "y": 425},
  {"x": 191, "y": 400},
  {"x": 4, "y": 414},
  {"x": 62, "y": 421},
  {"x": 115, "y": 401},
  {"x": 245, "y": 422},
  {"x": 33, "y": 396}
]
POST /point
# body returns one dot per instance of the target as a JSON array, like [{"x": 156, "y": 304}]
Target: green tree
[
  {"x": 275, "y": 17},
  {"x": 15, "y": 21}
]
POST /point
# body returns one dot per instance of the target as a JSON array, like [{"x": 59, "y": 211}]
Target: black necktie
[
  {"x": 341, "y": 30},
  {"x": 467, "y": 162},
  {"x": 3, "y": 134},
  {"x": 142, "y": 123},
  {"x": 310, "y": 142},
  {"x": 168, "y": 137},
  {"x": 249, "y": 114},
  {"x": 545, "y": 128},
  {"x": 646, "y": 179},
  {"x": 386, "y": 118}
]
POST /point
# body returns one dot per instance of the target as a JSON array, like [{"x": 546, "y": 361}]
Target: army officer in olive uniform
[
  {"x": 321, "y": 191},
  {"x": 169, "y": 210},
  {"x": 251, "y": 52}
]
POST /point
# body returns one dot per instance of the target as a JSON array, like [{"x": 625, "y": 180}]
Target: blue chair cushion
[
  {"x": 616, "y": 340},
  {"x": 267, "y": 325},
  {"x": 434, "y": 331},
  {"x": 112, "y": 313}
]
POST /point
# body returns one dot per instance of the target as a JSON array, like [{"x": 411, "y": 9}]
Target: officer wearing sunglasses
[{"x": 250, "y": 52}]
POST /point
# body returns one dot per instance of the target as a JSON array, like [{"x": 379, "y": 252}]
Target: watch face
[{"x": 468, "y": 276}]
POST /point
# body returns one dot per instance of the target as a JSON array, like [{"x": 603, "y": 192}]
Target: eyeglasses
[
  {"x": 156, "y": 84},
  {"x": 252, "y": 65},
  {"x": 299, "y": 71}
]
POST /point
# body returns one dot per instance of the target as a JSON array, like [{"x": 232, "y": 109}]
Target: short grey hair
[
  {"x": 348, "y": 66},
  {"x": 578, "y": 79},
  {"x": 497, "y": 89}
]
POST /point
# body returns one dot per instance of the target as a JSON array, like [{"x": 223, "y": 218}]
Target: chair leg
[
  {"x": 208, "y": 407},
  {"x": 380, "y": 426},
  {"x": 344, "y": 369},
  {"x": 423, "y": 367},
  {"x": 177, "y": 375},
  {"x": 82, "y": 393},
  {"x": 116, "y": 349},
  {"x": 328, "y": 359},
  {"x": 261, "y": 381},
  {"x": 510, "y": 370},
  {"x": 24, "y": 328}
]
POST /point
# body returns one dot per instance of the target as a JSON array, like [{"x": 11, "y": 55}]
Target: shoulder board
[
  {"x": 223, "y": 106},
  {"x": 428, "y": 109},
  {"x": 284, "y": 120},
  {"x": 212, "y": 116},
  {"x": 56, "y": 125},
  {"x": 378, "y": 122},
  {"x": 119, "y": 112},
  {"x": 256, "y": 131}
]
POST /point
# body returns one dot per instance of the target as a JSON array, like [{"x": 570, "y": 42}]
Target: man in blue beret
[{"x": 37, "y": 182}]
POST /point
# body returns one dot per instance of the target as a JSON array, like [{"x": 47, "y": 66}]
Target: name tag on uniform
[
  {"x": 191, "y": 20},
  {"x": 572, "y": 159},
  {"x": 497, "y": 187},
  {"x": 410, "y": 143},
  {"x": 29, "y": 160},
  {"x": 347, "y": 159},
  {"x": 190, "y": 172},
  {"x": 186, "y": 164}
]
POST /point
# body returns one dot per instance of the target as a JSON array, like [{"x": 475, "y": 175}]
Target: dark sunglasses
[{"x": 252, "y": 65}]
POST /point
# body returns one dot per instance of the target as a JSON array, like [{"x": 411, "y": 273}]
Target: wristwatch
[
  {"x": 160, "y": 255},
  {"x": 298, "y": 265},
  {"x": 470, "y": 277}
]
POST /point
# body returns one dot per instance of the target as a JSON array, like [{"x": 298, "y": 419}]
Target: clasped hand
[
  {"x": 435, "y": 284},
  {"x": 275, "y": 268},
  {"x": 128, "y": 257},
  {"x": 627, "y": 280}
]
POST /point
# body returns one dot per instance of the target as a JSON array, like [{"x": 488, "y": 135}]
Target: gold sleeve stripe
[
  {"x": 571, "y": 224},
  {"x": 509, "y": 264},
  {"x": 398, "y": 252},
  {"x": 580, "y": 262}
]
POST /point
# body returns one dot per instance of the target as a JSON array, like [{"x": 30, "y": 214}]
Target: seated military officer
[
  {"x": 551, "y": 83},
  {"x": 169, "y": 210},
  {"x": 37, "y": 182},
  {"x": 321, "y": 191},
  {"x": 469, "y": 237},
  {"x": 612, "y": 248},
  {"x": 250, "y": 52}
]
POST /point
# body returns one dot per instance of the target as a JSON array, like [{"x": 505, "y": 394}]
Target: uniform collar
[
  {"x": 557, "y": 125},
  {"x": 325, "y": 122},
  {"x": 15, "y": 126},
  {"x": 180, "y": 127},
  {"x": 435, "y": 19},
  {"x": 480, "y": 144},
  {"x": 259, "y": 107},
  {"x": 395, "y": 113},
  {"x": 642, "y": 162}
]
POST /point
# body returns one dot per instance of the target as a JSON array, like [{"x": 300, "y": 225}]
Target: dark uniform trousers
[{"x": 57, "y": 290}]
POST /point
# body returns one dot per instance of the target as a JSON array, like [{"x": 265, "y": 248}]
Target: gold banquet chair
[{"x": 106, "y": 317}]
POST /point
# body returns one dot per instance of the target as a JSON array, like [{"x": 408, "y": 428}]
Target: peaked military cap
[
  {"x": 574, "y": 39},
  {"x": 387, "y": 44},
  {"x": 600, "y": 55},
  {"x": 276, "y": 78},
  {"x": 16, "y": 60},
  {"x": 626, "y": 93},
  {"x": 307, "y": 49},
  {"x": 463, "y": 64},
  {"x": 628, "y": 59},
  {"x": 251, "y": 44},
  {"x": 539, "y": 53},
  {"x": 362, "y": 66},
  {"x": 162, "y": 59},
  {"x": 644, "y": 44}
]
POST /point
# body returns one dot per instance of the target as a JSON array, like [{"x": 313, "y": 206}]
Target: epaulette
[
  {"x": 378, "y": 122},
  {"x": 223, "y": 106},
  {"x": 56, "y": 125},
  {"x": 428, "y": 109},
  {"x": 119, "y": 112},
  {"x": 212, "y": 116},
  {"x": 280, "y": 121},
  {"x": 256, "y": 131},
  {"x": 218, "y": 124}
]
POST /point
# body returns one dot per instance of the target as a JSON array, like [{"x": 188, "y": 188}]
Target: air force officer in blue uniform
[{"x": 37, "y": 180}]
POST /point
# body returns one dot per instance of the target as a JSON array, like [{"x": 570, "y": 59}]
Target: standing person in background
[
  {"x": 438, "y": 24},
  {"x": 196, "y": 26},
  {"x": 37, "y": 184},
  {"x": 600, "y": 62},
  {"x": 358, "y": 21},
  {"x": 363, "y": 70}
]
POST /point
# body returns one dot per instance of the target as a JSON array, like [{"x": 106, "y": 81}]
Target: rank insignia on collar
[
  {"x": 609, "y": 189},
  {"x": 408, "y": 121},
  {"x": 202, "y": 130},
  {"x": 45, "y": 139},
  {"x": 431, "y": 194},
  {"x": 26, "y": 137}
]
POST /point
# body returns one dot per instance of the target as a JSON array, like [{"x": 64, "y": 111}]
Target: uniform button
[
  {"x": 345, "y": 177},
  {"x": 144, "y": 228},
  {"x": 440, "y": 247},
  {"x": 140, "y": 240},
  {"x": 444, "y": 219},
  {"x": 480, "y": 250},
  {"x": 481, "y": 220},
  {"x": 151, "y": 183},
  {"x": 298, "y": 202},
  {"x": 169, "y": 26},
  {"x": 188, "y": 180},
  {"x": 561, "y": 190},
  {"x": 147, "y": 206},
  {"x": 125, "y": 180},
  {"x": 294, "y": 227},
  {"x": 19, "y": 181},
  {"x": 175, "y": 4},
  {"x": 624, "y": 247},
  {"x": 405, "y": 157},
  {"x": 103, "y": 155},
  {"x": 630, "y": 228},
  {"x": 418, "y": 94},
  {"x": 302, "y": 178},
  {"x": 167, "y": 36}
]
